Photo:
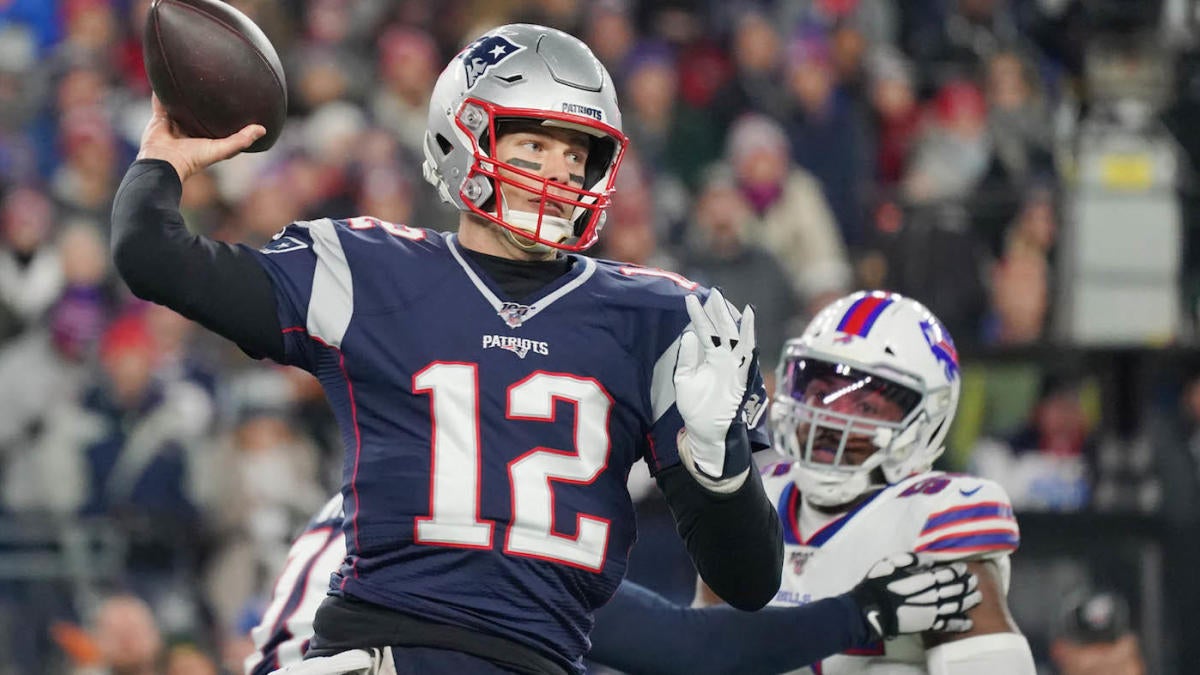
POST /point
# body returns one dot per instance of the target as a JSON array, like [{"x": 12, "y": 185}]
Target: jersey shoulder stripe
[
  {"x": 981, "y": 540},
  {"x": 967, "y": 513},
  {"x": 966, "y": 516},
  {"x": 650, "y": 284},
  {"x": 331, "y": 304}
]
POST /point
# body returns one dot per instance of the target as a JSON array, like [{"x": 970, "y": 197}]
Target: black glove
[{"x": 899, "y": 595}]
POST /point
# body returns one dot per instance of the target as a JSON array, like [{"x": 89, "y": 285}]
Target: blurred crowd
[{"x": 787, "y": 151}]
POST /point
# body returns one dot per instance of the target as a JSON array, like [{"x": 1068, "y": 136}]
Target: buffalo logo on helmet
[
  {"x": 484, "y": 53},
  {"x": 941, "y": 345}
]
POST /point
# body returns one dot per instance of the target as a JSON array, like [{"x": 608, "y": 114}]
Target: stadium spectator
[
  {"x": 265, "y": 486},
  {"x": 634, "y": 233},
  {"x": 827, "y": 129},
  {"x": 609, "y": 29},
  {"x": 954, "y": 38},
  {"x": 954, "y": 152},
  {"x": 897, "y": 116},
  {"x": 127, "y": 636},
  {"x": 675, "y": 140},
  {"x": 84, "y": 183},
  {"x": 1094, "y": 637},
  {"x": 1017, "y": 116},
  {"x": 30, "y": 272},
  {"x": 792, "y": 216},
  {"x": 757, "y": 54},
  {"x": 1050, "y": 462},
  {"x": 408, "y": 67},
  {"x": 189, "y": 660},
  {"x": 720, "y": 254}
]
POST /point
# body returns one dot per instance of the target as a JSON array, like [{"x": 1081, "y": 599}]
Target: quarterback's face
[
  {"x": 846, "y": 396},
  {"x": 556, "y": 155}
]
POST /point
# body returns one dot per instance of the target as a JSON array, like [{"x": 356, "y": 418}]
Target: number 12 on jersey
[{"x": 455, "y": 485}]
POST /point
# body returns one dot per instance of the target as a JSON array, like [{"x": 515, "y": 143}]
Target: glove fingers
[
  {"x": 746, "y": 339},
  {"x": 957, "y": 589},
  {"x": 881, "y": 569},
  {"x": 890, "y": 564},
  {"x": 952, "y": 572},
  {"x": 722, "y": 317},
  {"x": 716, "y": 311},
  {"x": 916, "y": 586},
  {"x": 972, "y": 600},
  {"x": 691, "y": 354},
  {"x": 953, "y": 624},
  {"x": 700, "y": 322},
  {"x": 910, "y": 596}
]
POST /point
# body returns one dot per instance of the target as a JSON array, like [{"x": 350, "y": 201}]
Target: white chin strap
[
  {"x": 554, "y": 229},
  {"x": 828, "y": 488}
]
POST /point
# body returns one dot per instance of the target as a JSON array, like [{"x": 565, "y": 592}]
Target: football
[{"x": 214, "y": 70}]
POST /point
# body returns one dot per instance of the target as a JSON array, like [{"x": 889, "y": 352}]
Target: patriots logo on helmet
[
  {"x": 942, "y": 346},
  {"x": 484, "y": 53}
]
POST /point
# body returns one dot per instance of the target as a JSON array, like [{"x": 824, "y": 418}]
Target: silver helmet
[{"x": 523, "y": 72}]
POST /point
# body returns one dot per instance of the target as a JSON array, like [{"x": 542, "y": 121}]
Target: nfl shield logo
[
  {"x": 797, "y": 559},
  {"x": 514, "y": 314}
]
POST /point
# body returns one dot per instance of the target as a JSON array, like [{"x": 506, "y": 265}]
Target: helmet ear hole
[{"x": 444, "y": 144}]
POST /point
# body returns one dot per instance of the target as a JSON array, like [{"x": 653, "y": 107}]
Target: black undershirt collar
[{"x": 519, "y": 279}]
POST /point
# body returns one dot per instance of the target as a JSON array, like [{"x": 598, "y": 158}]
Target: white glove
[
  {"x": 353, "y": 662},
  {"x": 711, "y": 373},
  {"x": 900, "y": 595}
]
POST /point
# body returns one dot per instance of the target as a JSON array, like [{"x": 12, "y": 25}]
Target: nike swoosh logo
[
  {"x": 873, "y": 619},
  {"x": 968, "y": 493}
]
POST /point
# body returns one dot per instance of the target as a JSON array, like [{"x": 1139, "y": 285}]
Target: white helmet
[
  {"x": 524, "y": 72},
  {"x": 872, "y": 368}
]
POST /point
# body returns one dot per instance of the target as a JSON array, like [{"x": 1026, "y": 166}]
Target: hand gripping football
[{"x": 214, "y": 70}]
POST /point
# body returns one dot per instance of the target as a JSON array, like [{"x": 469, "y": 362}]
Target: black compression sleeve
[
  {"x": 735, "y": 540},
  {"x": 639, "y": 631},
  {"x": 215, "y": 284}
]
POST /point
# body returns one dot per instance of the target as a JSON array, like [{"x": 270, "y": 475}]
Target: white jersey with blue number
[{"x": 944, "y": 516}]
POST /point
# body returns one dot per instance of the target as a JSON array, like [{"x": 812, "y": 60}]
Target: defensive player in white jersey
[{"x": 863, "y": 401}]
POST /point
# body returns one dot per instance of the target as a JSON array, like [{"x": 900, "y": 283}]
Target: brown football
[{"x": 214, "y": 70}]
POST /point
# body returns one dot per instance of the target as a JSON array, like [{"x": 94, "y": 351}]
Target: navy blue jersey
[{"x": 488, "y": 442}]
